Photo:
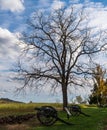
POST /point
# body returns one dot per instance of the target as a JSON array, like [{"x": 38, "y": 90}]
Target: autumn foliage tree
[
  {"x": 99, "y": 92},
  {"x": 55, "y": 45}
]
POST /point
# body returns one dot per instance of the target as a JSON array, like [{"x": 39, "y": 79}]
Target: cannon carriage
[{"x": 48, "y": 115}]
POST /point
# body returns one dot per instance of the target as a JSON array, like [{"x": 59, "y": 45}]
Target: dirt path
[
  {"x": 21, "y": 122},
  {"x": 105, "y": 128}
]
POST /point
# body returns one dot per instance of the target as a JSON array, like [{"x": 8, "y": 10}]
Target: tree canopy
[{"x": 58, "y": 48}]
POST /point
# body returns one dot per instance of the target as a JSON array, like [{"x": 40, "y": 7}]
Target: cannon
[
  {"x": 74, "y": 110},
  {"x": 47, "y": 115}
]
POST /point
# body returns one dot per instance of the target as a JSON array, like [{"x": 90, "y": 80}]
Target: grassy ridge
[{"x": 21, "y": 108}]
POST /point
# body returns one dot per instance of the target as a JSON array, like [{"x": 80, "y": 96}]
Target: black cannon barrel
[{"x": 37, "y": 108}]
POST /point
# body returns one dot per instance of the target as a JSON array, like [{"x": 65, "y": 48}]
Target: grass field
[{"x": 97, "y": 121}]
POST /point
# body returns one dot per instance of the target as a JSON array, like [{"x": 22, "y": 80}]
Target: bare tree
[{"x": 59, "y": 46}]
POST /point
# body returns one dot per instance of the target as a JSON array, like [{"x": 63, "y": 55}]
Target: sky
[{"x": 13, "y": 22}]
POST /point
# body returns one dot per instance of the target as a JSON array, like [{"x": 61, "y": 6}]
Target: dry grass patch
[{"x": 17, "y": 127}]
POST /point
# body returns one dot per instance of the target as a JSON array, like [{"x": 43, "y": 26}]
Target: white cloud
[
  {"x": 9, "y": 52},
  {"x": 8, "y": 41},
  {"x": 44, "y": 3},
  {"x": 95, "y": 12},
  {"x": 97, "y": 17},
  {"x": 9, "y": 49},
  {"x": 12, "y": 5},
  {"x": 74, "y": 1},
  {"x": 57, "y": 4}
]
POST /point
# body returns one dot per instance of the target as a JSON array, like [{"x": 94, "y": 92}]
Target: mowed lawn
[{"x": 96, "y": 121}]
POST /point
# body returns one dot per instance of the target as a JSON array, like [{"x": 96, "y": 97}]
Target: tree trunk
[{"x": 64, "y": 94}]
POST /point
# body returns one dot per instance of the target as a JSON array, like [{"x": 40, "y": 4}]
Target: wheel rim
[
  {"x": 47, "y": 116},
  {"x": 75, "y": 110}
]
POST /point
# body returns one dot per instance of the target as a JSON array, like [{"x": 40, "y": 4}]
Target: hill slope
[{"x": 6, "y": 100}]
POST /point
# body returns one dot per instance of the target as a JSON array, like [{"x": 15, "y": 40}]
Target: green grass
[{"x": 96, "y": 122}]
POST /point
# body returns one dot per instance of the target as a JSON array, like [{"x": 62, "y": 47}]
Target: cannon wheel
[
  {"x": 47, "y": 116},
  {"x": 75, "y": 110}
]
